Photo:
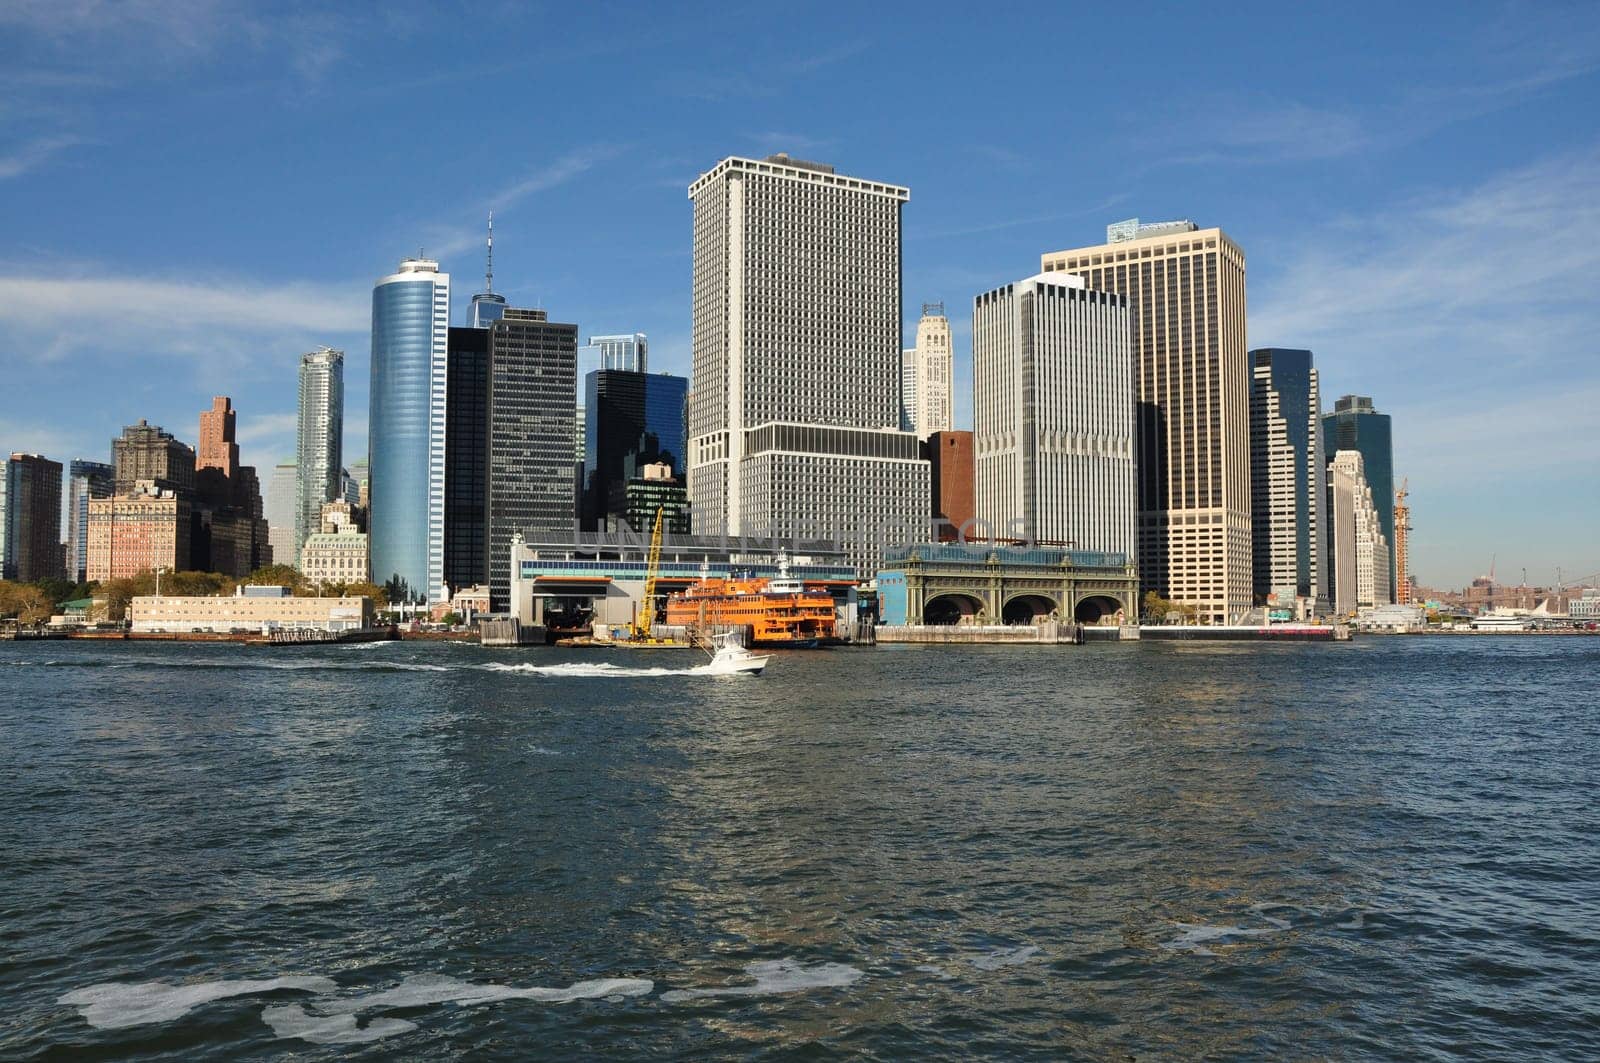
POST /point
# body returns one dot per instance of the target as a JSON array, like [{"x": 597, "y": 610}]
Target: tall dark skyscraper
[
  {"x": 466, "y": 459},
  {"x": 1355, "y": 425},
  {"x": 632, "y": 420},
  {"x": 1288, "y": 480},
  {"x": 30, "y": 518},
  {"x": 533, "y": 369}
]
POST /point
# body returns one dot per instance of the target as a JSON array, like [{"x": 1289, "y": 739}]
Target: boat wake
[{"x": 589, "y": 668}]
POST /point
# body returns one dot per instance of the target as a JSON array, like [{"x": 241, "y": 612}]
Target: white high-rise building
[
  {"x": 794, "y": 407},
  {"x": 1186, "y": 289},
  {"x": 280, "y": 511},
  {"x": 1288, "y": 482},
  {"x": 927, "y": 404},
  {"x": 319, "y": 449},
  {"x": 406, "y": 430},
  {"x": 1358, "y": 549},
  {"x": 1052, "y": 414},
  {"x": 908, "y": 390}
]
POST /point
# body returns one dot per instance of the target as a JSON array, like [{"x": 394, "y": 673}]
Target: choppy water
[{"x": 1383, "y": 850}]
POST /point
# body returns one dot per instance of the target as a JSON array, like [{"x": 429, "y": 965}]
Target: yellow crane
[{"x": 647, "y": 608}]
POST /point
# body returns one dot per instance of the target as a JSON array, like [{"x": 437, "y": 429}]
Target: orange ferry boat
[{"x": 778, "y": 612}]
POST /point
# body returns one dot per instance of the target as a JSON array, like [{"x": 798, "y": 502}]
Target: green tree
[
  {"x": 1159, "y": 609},
  {"x": 278, "y": 576},
  {"x": 379, "y": 595},
  {"x": 57, "y": 590},
  {"x": 119, "y": 592}
]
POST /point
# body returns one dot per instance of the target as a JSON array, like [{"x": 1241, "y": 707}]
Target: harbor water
[{"x": 1386, "y": 849}]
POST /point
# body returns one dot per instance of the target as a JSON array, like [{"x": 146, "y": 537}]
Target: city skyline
[{"x": 1386, "y": 229}]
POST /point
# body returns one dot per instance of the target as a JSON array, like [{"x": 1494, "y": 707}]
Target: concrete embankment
[{"x": 1048, "y": 633}]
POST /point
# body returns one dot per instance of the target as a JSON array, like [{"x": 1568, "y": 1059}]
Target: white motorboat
[{"x": 731, "y": 658}]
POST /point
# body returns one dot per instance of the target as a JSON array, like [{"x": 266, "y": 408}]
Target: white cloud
[
  {"x": 1470, "y": 317},
  {"x": 52, "y": 317},
  {"x": 35, "y": 153},
  {"x": 1477, "y": 284},
  {"x": 453, "y": 240}
]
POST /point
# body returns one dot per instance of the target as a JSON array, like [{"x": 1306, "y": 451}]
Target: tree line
[{"x": 35, "y": 603}]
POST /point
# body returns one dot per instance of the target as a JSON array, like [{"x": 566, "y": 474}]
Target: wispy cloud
[
  {"x": 50, "y": 317},
  {"x": 34, "y": 154},
  {"x": 760, "y": 79},
  {"x": 1495, "y": 277},
  {"x": 1245, "y": 131},
  {"x": 447, "y": 240},
  {"x": 1470, "y": 317},
  {"x": 262, "y": 427}
]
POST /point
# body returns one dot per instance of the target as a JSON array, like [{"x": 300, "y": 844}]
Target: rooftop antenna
[{"x": 488, "y": 266}]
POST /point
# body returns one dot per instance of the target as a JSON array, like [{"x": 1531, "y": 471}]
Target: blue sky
[{"x": 193, "y": 192}]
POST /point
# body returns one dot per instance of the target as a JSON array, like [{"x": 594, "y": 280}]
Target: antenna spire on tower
[{"x": 488, "y": 265}]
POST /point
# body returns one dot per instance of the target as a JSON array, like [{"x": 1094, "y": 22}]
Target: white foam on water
[
  {"x": 990, "y": 961},
  {"x": 426, "y": 989},
  {"x": 589, "y": 669},
  {"x": 1195, "y": 936},
  {"x": 776, "y": 976},
  {"x": 115, "y": 1005},
  {"x": 292, "y": 1020},
  {"x": 1356, "y": 922},
  {"x": 541, "y": 751},
  {"x": 928, "y": 968}
]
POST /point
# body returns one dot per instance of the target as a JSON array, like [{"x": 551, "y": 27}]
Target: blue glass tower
[
  {"x": 406, "y": 430},
  {"x": 1355, "y": 425},
  {"x": 632, "y": 420}
]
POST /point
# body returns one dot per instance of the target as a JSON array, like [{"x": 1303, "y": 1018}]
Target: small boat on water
[{"x": 728, "y": 657}]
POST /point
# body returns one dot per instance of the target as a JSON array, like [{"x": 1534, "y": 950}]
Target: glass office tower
[
  {"x": 319, "y": 442},
  {"x": 532, "y": 393},
  {"x": 1288, "y": 480},
  {"x": 406, "y": 430},
  {"x": 88, "y": 480},
  {"x": 1355, "y": 425},
  {"x": 466, "y": 448},
  {"x": 632, "y": 420}
]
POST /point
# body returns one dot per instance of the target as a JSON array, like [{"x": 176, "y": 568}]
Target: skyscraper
[
  {"x": 1288, "y": 481},
  {"x": 634, "y": 420},
  {"x": 794, "y": 406},
  {"x": 406, "y": 430},
  {"x": 1358, "y": 552},
  {"x": 1355, "y": 425},
  {"x": 86, "y": 480},
  {"x": 532, "y": 398},
  {"x": 628, "y": 352},
  {"x": 146, "y": 452},
  {"x": 282, "y": 505},
  {"x": 319, "y": 443},
  {"x": 466, "y": 449},
  {"x": 908, "y": 389},
  {"x": 487, "y": 306},
  {"x": 926, "y": 374},
  {"x": 1186, "y": 290},
  {"x": 230, "y": 536},
  {"x": 30, "y": 519},
  {"x": 1052, "y": 414}
]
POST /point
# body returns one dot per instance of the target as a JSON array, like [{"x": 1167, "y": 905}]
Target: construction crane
[
  {"x": 1402, "y": 544},
  {"x": 652, "y": 566}
]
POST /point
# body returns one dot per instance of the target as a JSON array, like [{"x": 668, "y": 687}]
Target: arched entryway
[
  {"x": 1027, "y": 608},
  {"x": 950, "y": 608},
  {"x": 1095, "y": 609}
]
